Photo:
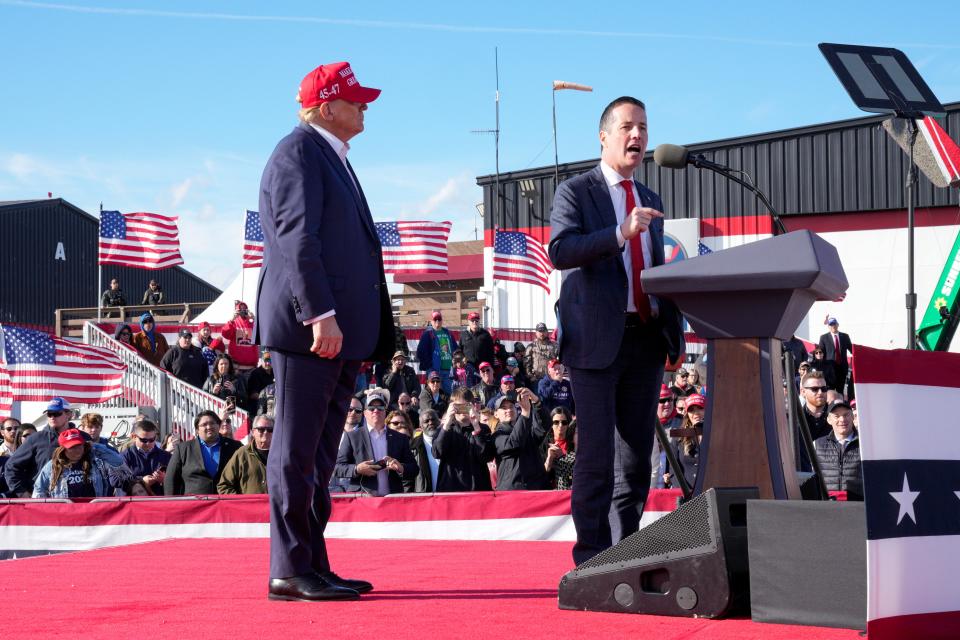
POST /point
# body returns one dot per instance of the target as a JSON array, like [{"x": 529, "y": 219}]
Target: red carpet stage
[{"x": 216, "y": 588}]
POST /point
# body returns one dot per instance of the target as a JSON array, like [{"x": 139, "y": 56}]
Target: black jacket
[
  {"x": 186, "y": 474},
  {"x": 427, "y": 401},
  {"x": 153, "y": 297},
  {"x": 689, "y": 462},
  {"x": 818, "y": 428},
  {"x": 519, "y": 465},
  {"x": 355, "y": 447},
  {"x": 397, "y": 383},
  {"x": 188, "y": 365},
  {"x": 463, "y": 459},
  {"x": 477, "y": 347},
  {"x": 840, "y": 465},
  {"x": 111, "y": 298},
  {"x": 29, "y": 458},
  {"x": 485, "y": 392}
]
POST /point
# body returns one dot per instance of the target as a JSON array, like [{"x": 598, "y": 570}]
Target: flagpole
[
  {"x": 99, "y": 270},
  {"x": 243, "y": 271}
]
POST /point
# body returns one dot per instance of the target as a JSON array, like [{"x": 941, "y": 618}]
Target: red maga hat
[
  {"x": 665, "y": 392},
  {"x": 334, "y": 81},
  {"x": 70, "y": 438},
  {"x": 695, "y": 400}
]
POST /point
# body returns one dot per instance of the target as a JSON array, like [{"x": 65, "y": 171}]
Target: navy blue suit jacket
[
  {"x": 593, "y": 297},
  {"x": 355, "y": 447},
  {"x": 321, "y": 253}
]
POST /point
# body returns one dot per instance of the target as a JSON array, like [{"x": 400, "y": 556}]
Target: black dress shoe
[
  {"x": 360, "y": 586},
  {"x": 309, "y": 588}
]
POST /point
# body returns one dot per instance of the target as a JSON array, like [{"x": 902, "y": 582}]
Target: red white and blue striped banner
[
  {"x": 506, "y": 515},
  {"x": 910, "y": 447}
]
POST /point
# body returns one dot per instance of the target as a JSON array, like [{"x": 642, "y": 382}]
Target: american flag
[
  {"x": 252, "y": 241},
  {"x": 519, "y": 257},
  {"x": 41, "y": 366},
  {"x": 141, "y": 240},
  {"x": 6, "y": 396},
  {"x": 417, "y": 246}
]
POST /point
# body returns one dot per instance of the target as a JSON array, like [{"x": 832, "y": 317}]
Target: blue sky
[{"x": 174, "y": 107}]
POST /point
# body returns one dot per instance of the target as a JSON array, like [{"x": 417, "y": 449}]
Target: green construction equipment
[{"x": 943, "y": 313}]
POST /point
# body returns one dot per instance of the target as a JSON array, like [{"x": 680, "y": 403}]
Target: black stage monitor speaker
[{"x": 692, "y": 562}]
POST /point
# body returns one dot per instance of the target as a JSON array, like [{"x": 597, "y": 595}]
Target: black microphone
[{"x": 673, "y": 156}]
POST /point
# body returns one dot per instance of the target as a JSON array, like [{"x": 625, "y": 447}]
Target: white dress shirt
[
  {"x": 378, "y": 440},
  {"x": 619, "y": 197}
]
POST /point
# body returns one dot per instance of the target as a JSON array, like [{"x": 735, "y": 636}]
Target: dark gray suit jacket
[
  {"x": 355, "y": 447},
  {"x": 186, "y": 474},
  {"x": 593, "y": 297},
  {"x": 321, "y": 252}
]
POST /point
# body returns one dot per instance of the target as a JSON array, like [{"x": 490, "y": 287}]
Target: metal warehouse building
[
  {"x": 842, "y": 180},
  {"x": 851, "y": 166},
  {"x": 48, "y": 260}
]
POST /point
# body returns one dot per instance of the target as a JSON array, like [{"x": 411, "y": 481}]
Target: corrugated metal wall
[
  {"x": 847, "y": 166},
  {"x": 35, "y": 279}
]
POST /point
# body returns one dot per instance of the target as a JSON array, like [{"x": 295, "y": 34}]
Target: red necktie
[
  {"x": 636, "y": 259},
  {"x": 836, "y": 347}
]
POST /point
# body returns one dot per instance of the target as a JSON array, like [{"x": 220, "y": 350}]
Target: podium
[{"x": 745, "y": 301}]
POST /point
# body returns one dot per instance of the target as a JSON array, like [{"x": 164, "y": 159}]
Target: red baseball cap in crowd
[
  {"x": 70, "y": 438},
  {"x": 665, "y": 392},
  {"x": 436, "y": 316},
  {"x": 484, "y": 365},
  {"x": 695, "y": 400},
  {"x": 473, "y": 315},
  {"x": 334, "y": 81},
  {"x": 203, "y": 325},
  {"x": 508, "y": 379},
  {"x": 553, "y": 363}
]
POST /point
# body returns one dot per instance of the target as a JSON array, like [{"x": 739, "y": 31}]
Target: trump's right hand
[{"x": 327, "y": 338}]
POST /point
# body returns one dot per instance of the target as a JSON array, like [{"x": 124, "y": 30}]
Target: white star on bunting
[{"x": 905, "y": 498}]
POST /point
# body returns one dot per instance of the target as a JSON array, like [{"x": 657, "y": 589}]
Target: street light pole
[{"x": 560, "y": 85}]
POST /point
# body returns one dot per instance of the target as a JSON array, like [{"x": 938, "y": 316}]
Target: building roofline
[
  {"x": 9, "y": 204},
  {"x": 825, "y": 127}
]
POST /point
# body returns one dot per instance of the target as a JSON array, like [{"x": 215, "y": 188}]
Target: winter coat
[
  {"x": 463, "y": 459},
  {"x": 538, "y": 355},
  {"x": 187, "y": 364},
  {"x": 397, "y": 383},
  {"x": 30, "y": 457},
  {"x": 427, "y": 401},
  {"x": 477, "y": 347},
  {"x": 153, "y": 355},
  {"x": 519, "y": 465},
  {"x": 153, "y": 297},
  {"x": 239, "y": 333},
  {"x": 555, "y": 393},
  {"x": 239, "y": 388},
  {"x": 245, "y": 473},
  {"x": 840, "y": 464}
]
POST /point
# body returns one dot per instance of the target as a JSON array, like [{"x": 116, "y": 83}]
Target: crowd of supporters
[{"x": 478, "y": 416}]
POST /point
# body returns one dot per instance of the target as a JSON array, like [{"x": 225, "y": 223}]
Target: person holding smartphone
[
  {"x": 520, "y": 431},
  {"x": 373, "y": 455},
  {"x": 462, "y": 446},
  {"x": 146, "y": 459}
]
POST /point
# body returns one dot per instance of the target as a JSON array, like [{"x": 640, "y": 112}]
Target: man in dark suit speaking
[
  {"x": 322, "y": 308},
  {"x": 605, "y": 229}
]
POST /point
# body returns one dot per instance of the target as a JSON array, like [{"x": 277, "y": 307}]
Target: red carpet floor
[{"x": 209, "y": 589}]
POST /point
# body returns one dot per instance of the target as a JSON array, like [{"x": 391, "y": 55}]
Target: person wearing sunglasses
[
  {"x": 124, "y": 335},
  {"x": 813, "y": 393},
  {"x": 375, "y": 456},
  {"x": 247, "y": 470},
  {"x": 354, "y": 414},
  {"x": 561, "y": 448},
  {"x": 146, "y": 458},
  {"x": 669, "y": 419},
  {"x": 29, "y": 458},
  {"x": 9, "y": 429}
]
